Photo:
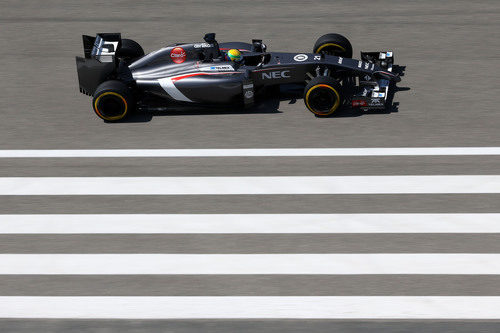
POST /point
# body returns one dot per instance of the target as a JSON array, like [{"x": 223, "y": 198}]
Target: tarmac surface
[{"x": 448, "y": 98}]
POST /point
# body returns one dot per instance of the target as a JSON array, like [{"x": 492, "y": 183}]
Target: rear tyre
[
  {"x": 130, "y": 50},
  {"x": 323, "y": 96},
  {"x": 333, "y": 44},
  {"x": 113, "y": 101}
]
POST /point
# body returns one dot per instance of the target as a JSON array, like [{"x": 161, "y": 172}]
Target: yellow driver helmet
[{"x": 234, "y": 55}]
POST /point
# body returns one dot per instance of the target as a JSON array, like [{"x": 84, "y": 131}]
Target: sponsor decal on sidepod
[
  {"x": 276, "y": 75},
  {"x": 178, "y": 55}
]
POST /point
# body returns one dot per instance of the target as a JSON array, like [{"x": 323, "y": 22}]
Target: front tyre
[
  {"x": 323, "y": 96},
  {"x": 113, "y": 101},
  {"x": 333, "y": 44}
]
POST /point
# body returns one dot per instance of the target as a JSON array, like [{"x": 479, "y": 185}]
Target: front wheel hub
[{"x": 323, "y": 99}]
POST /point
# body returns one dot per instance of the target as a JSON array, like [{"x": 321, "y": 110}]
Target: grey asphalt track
[
  {"x": 451, "y": 51},
  {"x": 249, "y": 166},
  {"x": 252, "y": 243},
  {"x": 249, "y": 326},
  {"x": 250, "y": 285}
]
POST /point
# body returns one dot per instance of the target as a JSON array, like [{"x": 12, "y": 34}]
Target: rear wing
[
  {"x": 102, "y": 47},
  {"x": 98, "y": 62}
]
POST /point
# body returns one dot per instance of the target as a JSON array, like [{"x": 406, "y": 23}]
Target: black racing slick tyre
[
  {"x": 113, "y": 101},
  {"x": 323, "y": 96},
  {"x": 333, "y": 44},
  {"x": 130, "y": 50}
]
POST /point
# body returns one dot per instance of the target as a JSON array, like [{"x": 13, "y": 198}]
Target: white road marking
[
  {"x": 248, "y": 185},
  {"x": 430, "y": 151},
  {"x": 247, "y": 223},
  {"x": 255, "y": 307},
  {"x": 370, "y": 263}
]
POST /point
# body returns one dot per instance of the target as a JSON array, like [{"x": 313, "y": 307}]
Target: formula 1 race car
[{"x": 120, "y": 77}]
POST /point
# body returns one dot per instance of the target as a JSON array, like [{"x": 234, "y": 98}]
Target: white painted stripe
[
  {"x": 430, "y": 151},
  {"x": 247, "y": 185},
  {"x": 370, "y": 263},
  {"x": 248, "y": 223},
  {"x": 171, "y": 89},
  {"x": 255, "y": 307}
]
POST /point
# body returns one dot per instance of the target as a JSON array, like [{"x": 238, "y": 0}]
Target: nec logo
[{"x": 276, "y": 75}]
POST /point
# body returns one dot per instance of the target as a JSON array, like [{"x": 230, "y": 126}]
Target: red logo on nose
[{"x": 178, "y": 55}]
